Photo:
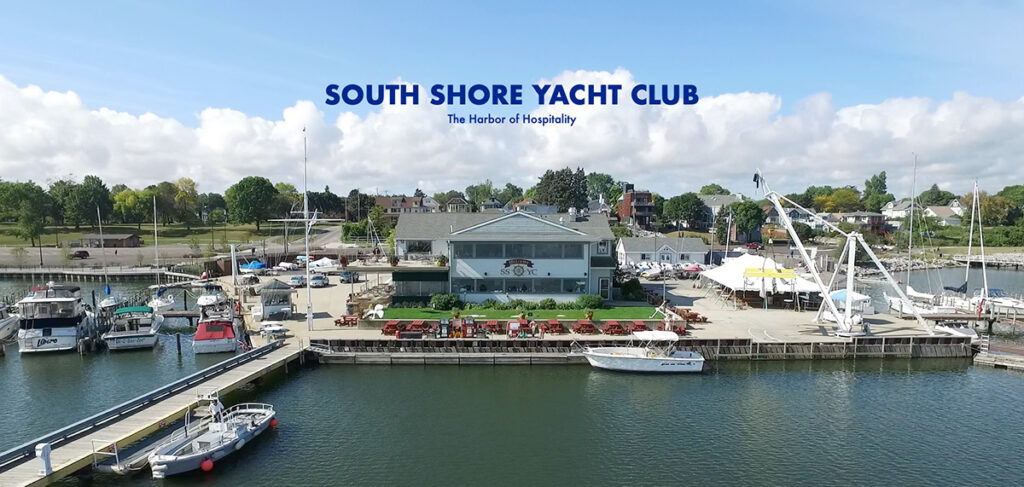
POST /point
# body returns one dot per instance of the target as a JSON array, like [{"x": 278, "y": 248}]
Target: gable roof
[
  {"x": 713, "y": 200},
  {"x": 474, "y": 227},
  {"x": 943, "y": 212},
  {"x": 651, "y": 244}
]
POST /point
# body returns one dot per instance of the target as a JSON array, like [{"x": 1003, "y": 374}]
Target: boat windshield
[{"x": 46, "y": 310}]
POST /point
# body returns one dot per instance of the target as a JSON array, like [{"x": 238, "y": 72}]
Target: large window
[
  {"x": 548, "y": 251},
  {"x": 489, "y": 286},
  {"x": 519, "y": 251},
  {"x": 489, "y": 251},
  {"x": 573, "y": 251},
  {"x": 462, "y": 250},
  {"x": 547, "y": 286},
  {"x": 518, "y": 286},
  {"x": 462, "y": 285},
  {"x": 602, "y": 247}
]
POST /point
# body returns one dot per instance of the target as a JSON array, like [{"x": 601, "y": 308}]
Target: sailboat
[
  {"x": 162, "y": 301},
  {"x": 112, "y": 301}
]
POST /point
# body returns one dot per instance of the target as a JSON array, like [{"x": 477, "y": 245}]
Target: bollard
[
  {"x": 178, "y": 335},
  {"x": 43, "y": 453}
]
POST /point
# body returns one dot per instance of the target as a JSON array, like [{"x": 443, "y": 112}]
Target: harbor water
[{"x": 864, "y": 422}]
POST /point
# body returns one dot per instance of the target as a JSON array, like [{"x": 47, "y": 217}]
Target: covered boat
[
  {"x": 133, "y": 327},
  {"x": 52, "y": 318},
  {"x": 215, "y": 336},
  {"x": 654, "y": 352}
]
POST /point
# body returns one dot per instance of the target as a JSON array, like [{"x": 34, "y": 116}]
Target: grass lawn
[
  {"x": 613, "y": 313},
  {"x": 169, "y": 234},
  {"x": 689, "y": 233}
]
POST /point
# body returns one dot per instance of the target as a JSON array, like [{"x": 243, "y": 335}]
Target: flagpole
[{"x": 305, "y": 216}]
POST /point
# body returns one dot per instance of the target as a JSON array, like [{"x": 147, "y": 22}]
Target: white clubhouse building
[{"x": 506, "y": 256}]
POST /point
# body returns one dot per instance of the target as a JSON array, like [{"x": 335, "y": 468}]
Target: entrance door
[{"x": 604, "y": 285}]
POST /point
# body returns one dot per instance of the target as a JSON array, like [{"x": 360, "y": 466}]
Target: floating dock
[{"x": 73, "y": 447}]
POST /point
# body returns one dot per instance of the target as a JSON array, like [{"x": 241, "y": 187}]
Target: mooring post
[
  {"x": 184, "y": 298},
  {"x": 178, "y": 338},
  {"x": 93, "y": 299}
]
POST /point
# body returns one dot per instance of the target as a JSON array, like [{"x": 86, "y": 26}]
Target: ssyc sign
[{"x": 518, "y": 268}]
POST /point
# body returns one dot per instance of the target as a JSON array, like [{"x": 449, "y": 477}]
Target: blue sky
[{"x": 259, "y": 57}]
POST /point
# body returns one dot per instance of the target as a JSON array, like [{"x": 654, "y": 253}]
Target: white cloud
[{"x": 669, "y": 149}]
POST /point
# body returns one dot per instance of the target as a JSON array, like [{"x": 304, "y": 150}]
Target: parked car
[
  {"x": 318, "y": 280},
  {"x": 755, "y": 246},
  {"x": 349, "y": 277},
  {"x": 297, "y": 281},
  {"x": 80, "y": 254}
]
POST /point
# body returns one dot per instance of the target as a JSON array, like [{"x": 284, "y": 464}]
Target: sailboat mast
[
  {"x": 305, "y": 216},
  {"x": 970, "y": 235},
  {"x": 910, "y": 235},
  {"x": 156, "y": 243},
  {"x": 981, "y": 244},
  {"x": 103, "y": 249}
]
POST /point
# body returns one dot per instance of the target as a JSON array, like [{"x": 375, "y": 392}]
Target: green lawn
[
  {"x": 169, "y": 234},
  {"x": 690, "y": 233},
  {"x": 613, "y": 313}
]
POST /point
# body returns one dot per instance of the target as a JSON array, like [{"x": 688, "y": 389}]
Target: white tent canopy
[
  {"x": 732, "y": 275},
  {"x": 656, "y": 336},
  {"x": 324, "y": 262}
]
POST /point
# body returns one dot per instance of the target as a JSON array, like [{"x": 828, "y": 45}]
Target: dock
[
  {"x": 992, "y": 260},
  {"x": 84, "y": 274},
  {"x": 73, "y": 447}
]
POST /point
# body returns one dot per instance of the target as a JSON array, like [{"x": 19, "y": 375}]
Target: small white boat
[
  {"x": 215, "y": 336},
  {"x": 654, "y": 353},
  {"x": 162, "y": 301},
  {"x": 111, "y": 302},
  {"x": 212, "y": 295},
  {"x": 959, "y": 329},
  {"x": 8, "y": 325},
  {"x": 133, "y": 327},
  {"x": 272, "y": 328},
  {"x": 210, "y": 439}
]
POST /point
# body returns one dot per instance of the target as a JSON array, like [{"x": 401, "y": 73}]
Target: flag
[
  {"x": 981, "y": 306},
  {"x": 107, "y": 288}
]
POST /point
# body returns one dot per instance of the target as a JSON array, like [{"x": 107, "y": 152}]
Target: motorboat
[
  {"x": 654, "y": 352},
  {"x": 133, "y": 327},
  {"x": 8, "y": 324},
  {"x": 998, "y": 301},
  {"x": 52, "y": 318},
  {"x": 212, "y": 295},
  {"x": 203, "y": 442},
  {"x": 112, "y": 302},
  {"x": 215, "y": 336},
  {"x": 162, "y": 301}
]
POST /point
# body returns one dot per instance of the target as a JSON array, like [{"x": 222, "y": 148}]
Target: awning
[{"x": 657, "y": 336}]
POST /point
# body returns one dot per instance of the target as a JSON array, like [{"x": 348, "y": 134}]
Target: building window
[
  {"x": 547, "y": 286},
  {"x": 644, "y": 256},
  {"x": 462, "y": 285},
  {"x": 548, "y": 251},
  {"x": 462, "y": 250},
  {"x": 513, "y": 286},
  {"x": 666, "y": 257},
  {"x": 489, "y": 250},
  {"x": 519, "y": 251},
  {"x": 488, "y": 286},
  {"x": 573, "y": 251},
  {"x": 604, "y": 284},
  {"x": 602, "y": 247}
]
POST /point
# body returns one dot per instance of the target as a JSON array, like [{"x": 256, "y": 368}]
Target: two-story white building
[
  {"x": 506, "y": 256},
  {"x": 632, "y": 250}
]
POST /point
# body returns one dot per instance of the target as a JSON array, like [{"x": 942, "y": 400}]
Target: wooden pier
[
  {"x": 84, "y": 274},
  {"x": 994, "y": 260},
  {"x": 73, "y": 448},
  {"x": 1000, "y": 361}
]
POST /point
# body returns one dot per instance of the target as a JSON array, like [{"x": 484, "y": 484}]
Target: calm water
[
  {"x": 896, "y": 422},
  {"x": 868, "y": 422},
  {"x": 934, "y": 280}
]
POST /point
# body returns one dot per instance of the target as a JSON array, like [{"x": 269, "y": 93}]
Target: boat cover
[
  {"x": 213, "y": 330},
  {"x": 657, "y": 335}
]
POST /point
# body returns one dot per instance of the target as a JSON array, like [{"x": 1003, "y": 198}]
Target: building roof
[
  {"x": 651, "y": 244},
  {"x": 901, "y": 205},
  {"x": 943, "y": 212},
  {"x": 403, "y": 201},
  {"x": 713, "y": 200},
  {"x": 516, "y": 226},
  {"x": 108, "y": 236},
  {"x": 860, "y": 213},
  {"x": 457, "y": 201}
]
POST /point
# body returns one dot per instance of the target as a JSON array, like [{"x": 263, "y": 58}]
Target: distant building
[
  {"x": 636, "y": 208},
  {"x": 112, "y": 240},
  {"x": 713, "y": 204},
  {"x": 867, "y": 221},
  {"x": 530, "y": 206},
  {"x": 661, "y": 249},
  {"x": 491, "y": 204},
  {"x": 458, "y": 205},
  {"x": 955, "y": 206},
  {"x": 430, "y": 205},
  {"x": 899, "y": 209},
  {"x": 396, "y": 205},
  {"x": 946, "y": 215}
]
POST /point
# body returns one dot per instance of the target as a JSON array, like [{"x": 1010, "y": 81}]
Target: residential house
[
  {"x": 459, "y": 205},
  {"x": 430, "y": 205},
  {"x": 636, "y": 208},
  {"x": 491, "y": 204},
  {"x": 899, "y": 209},
  {"x": 956, "y": 208},
  {"x": 531, "y": 206},
  {"x": 397, "y": 205},
  {"x": 111, "y": 240},
  {"x": 713, "y": 204},
  {"x": 946, "y": 215},
  {"x": 661, "y": 249},
  {"x": 866, "y": 221}
]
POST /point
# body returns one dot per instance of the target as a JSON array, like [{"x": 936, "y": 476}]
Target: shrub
[
  {"x": 547, "y": 303},
  {"x": 489, "y": 303},
  {"x": 566, "y": 306},
  {"x": 445, "y": 301},
  {"x": 632, "y": 290},
  {"x": 519, "y": 304},
  {"x": 589, "y": 301}
]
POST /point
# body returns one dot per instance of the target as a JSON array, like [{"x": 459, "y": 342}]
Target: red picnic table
[
  {"x": 638, "y": 326},
  {"x": 347, "y": 320},
  {"x": 493, "y": 327},
  {"x": 390, "y": 328},
  {"x": 679, "y": 328},
  {"x": 584, "y": 326},
  {"x": 613, "y": 328},
  {"x": 415, "y": 326},
  {"x": 554, "y": 326}
]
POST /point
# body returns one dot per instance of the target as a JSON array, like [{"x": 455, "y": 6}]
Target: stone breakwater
[{"x": 902, "y": 264}]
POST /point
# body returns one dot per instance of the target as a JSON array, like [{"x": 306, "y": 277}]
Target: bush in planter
[
  {"x": 444, "y": 301},
  {"x": 589, "y": 301},
  {"x": 394, "y": 261},
  {"x": 442, "y": 260},
  {"x": 547, "y": 303}
]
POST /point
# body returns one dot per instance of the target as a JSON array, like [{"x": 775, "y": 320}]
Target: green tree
[
  {"x": 530, "y": 193},
  {"x": 934, "y": 196},
  {"x": 598, "y": 184},
  {"x": 686, "y": 207},
  {"x": 713, "y": 188},
  {"x": 186, "y": 202},
  {"x": 358, "y": 205},
  {"x": 133, "y": 206},
  {"x": 418, "y": 193},
  {"x": 995, "y": 210},
  {"x": 208, "y": 202},
  {"x": 804, "y": 231},
  {"x": 62, "y": 194},
  {"x": 845, "y": 200},
  {"x": 876, "y": 185},
  {"x": 29, "y": 205},
  {"x": 563, "y": 188},
  {"x": 510, "y": 194},
  {"x": 379, "y": 219},
  {"x": 478, "y": 194},
  {"x": 250, "y": 200}
]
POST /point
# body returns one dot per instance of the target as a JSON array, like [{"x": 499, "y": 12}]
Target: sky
[{"x": 809, "y": 92}]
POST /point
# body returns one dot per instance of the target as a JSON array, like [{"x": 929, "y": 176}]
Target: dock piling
[{"x": 178, "y": 339}]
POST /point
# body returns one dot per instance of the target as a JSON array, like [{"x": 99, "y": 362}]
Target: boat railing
[{"x": 84, "y": 427}]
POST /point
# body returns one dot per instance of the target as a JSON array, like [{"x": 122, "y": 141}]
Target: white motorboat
[
  {"x": 958, "y": 328},
  {"x": 8, "y": 324},
  {"x": 133, "y": 327},
  {"x": 112, "y": 302},
  {"x": 653, "y": 353},
  {"x": 212, "y": 295},
  {"x": 162, "y": 301},
  {"x": 215, "y": 336},
  {"x": 202, "y": 443},
  {"x": 52, "y": 318}
]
